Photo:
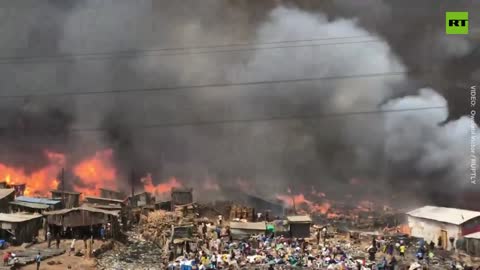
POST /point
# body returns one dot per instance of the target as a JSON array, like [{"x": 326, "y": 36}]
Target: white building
[{"x": 441, "y": 224}]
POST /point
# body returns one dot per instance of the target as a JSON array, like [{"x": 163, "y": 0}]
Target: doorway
[{"x": 444, "y": 236}]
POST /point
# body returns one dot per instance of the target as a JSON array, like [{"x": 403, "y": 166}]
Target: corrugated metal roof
[
  {"x": 299, "y": 219},
  {"x": 4, "y": 192},
  {"x": 66, "y": 192},
  {"x": 83, "y": 207},
  {"x": 30, "y": 205},
  {"x": 257, "y": 226},
  {"x": 444, "y": 214},
  {"x": 104, "y": 206},
  {"x": 36, "y": 200},
  {"x": 15, "y": 218},
  {"x": 103, "y": 199},
  {"x": 473, "y": 235}
]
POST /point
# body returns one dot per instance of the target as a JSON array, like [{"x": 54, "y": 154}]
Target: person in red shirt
[{"x": 6, "y": 257}]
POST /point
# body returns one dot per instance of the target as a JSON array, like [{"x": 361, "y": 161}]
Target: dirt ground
[{"x": 77, "y": 263}]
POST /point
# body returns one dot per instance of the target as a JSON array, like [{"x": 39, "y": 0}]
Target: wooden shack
[
  {"x": 72, "y": 199},
  {"x": 299, "y": 226},
  {"x": 6, "y": 196},
  {"x": 33, "y": 205},
  {"x": 112, "y": 194},
  {"x": 83, "y": 218},
  {"x": 182, "y": 196},
  {"x": 21, "y": 227},
  {"x": 141, "y": 199},
  {"x": 99, "y": 201}
]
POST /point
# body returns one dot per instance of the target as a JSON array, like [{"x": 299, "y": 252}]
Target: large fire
[
  {"x": 92, "y": 173},
  {"x": 95, "y": 172},
  {"x": 39, "y": 182}
]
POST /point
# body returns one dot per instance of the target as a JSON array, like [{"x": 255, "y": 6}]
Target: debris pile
[{"x": 158, "y": 226}]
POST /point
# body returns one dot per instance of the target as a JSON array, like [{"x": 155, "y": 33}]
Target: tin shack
[
  {"x": 20, "y": 228},
  {"x": 72, "y": 199},
  {"x": 299, "y": 226},
  {"x": 182, "y": 196},
  {"x": 112, "y": 194},
  {"x": 6, "y": 196},
  {"x": 83, "y": 221}
]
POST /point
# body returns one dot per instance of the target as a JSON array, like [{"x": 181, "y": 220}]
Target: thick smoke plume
[{"x": 419, "y": 152}]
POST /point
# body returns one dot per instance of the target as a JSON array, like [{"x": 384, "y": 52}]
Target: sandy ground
[{"x": 78, "y": 263}]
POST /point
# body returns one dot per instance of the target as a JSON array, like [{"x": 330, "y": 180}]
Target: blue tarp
[{"x": 36, "y": 200}]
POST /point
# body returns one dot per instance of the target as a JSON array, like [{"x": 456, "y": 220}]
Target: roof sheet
[
  {"x": 30, "y": 205},
  {"x": 299, "y": 219},
  {"x": 36, "y": 200},
  {"x": 444, "y": 214},
  {"x": 4, "y": 192},
  {"x": 84, "y": 208},
  {"x": 104, "y": 206},
  {"x": 104, "y": 199},
  {"x": 257, "y": 226},
  {"x": 473, "y": 235},
  {"x": 66, "y": 192},
  {"x": 15, "y": 218}
]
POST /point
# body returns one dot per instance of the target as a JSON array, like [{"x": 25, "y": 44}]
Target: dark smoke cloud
[{"x": 408, "y": 151}]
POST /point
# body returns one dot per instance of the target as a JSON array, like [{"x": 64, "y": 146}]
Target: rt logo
[{"x": 457, "y": 23}]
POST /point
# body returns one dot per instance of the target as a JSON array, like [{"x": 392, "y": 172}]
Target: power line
[
  {"x": 267, "y": 119},
  {"x": 181, "y": 50},
  {"x": 215, "y": 85}
]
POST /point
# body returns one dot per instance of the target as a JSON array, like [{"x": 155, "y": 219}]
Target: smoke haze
[{"x": 420, "y": 152}]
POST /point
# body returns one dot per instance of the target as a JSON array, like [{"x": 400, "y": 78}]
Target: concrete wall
[{"x": 431, "y": 230}]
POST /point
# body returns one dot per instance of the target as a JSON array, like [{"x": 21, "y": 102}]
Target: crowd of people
[{"x": 217, "y": 250}]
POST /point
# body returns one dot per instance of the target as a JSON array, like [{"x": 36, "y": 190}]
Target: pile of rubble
[
  {"x": 138, "y": 254},
  {"x": 157, "y": 227}
]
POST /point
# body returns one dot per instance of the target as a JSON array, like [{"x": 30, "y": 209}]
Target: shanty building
[
  {"x": 299, "y": 226},
  {"x": 444, "y": 226},
  {"x": 82, "y": 221},
  {"x": 240, "y": 230},
  {"x": 112, "y": 194},
  {"x": 21, "y": 227},
  {"x": 6, "y": 196},
  {"x": 72, "y": 199},
  {"x": 33, "y": 205},
  {"x": 182, "y": 196},
  {"x": 472, "y": 244},
  {"x": 104, "y": 203},
  {"x": 141, "y": 199}
]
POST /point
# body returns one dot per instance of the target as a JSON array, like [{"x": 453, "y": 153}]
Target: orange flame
[
  {"x": 95, "y": 172},
  {"x": 39, "y": 182},
  {"x": 161, "y": 188},
  {"x": 300, "y": 200}
]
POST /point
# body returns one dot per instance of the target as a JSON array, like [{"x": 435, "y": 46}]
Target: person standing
[
  {"x": 38, "y": 260},
  {"x": 49, "y": 238},
  {"x": 102, "y": 233},
  {"x": 72, "y": 247},
  {"x": 402, "y": 251}
]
